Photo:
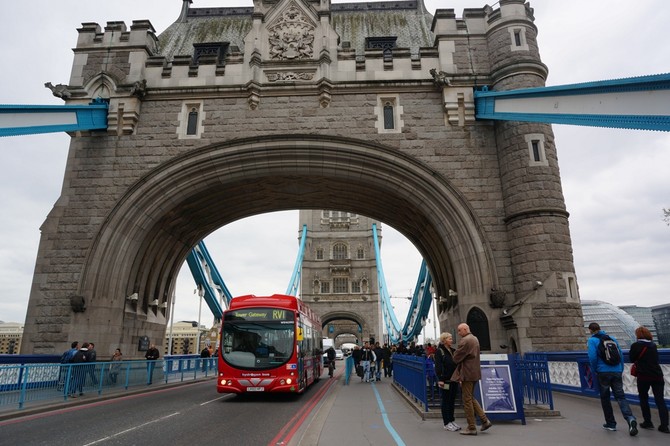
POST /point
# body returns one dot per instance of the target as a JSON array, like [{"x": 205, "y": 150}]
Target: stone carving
[
  {"x": 139, "y": 89},
  {"x": 440, "y": 79},
  {"x": 60, "y": 90},
  {"x": 290, "y": 76},
  {"x": 292, "y": 36}
]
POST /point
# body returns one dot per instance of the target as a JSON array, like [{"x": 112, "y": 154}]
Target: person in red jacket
[{"x": 649, "y": 375}]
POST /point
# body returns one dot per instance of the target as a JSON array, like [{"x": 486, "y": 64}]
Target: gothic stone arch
[{"x": 143, "y": 241}]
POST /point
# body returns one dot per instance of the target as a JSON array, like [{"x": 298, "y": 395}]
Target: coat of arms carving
[{"x": 292, "y": 36}]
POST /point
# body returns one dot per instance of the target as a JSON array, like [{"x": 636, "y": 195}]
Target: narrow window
[
  {"x": 517, "y": 37},
  {"x": 536, "y": 150},
  {"x": 355, "y": 286},
  {"x": 389, "y": 123},
  {"x": 192, "y": 125},
  {"x": 319, "y": 254},
  {"x": 325, "y": 287}
]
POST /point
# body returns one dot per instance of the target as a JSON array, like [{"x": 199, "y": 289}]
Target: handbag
[{"x": 633, "y": 368}]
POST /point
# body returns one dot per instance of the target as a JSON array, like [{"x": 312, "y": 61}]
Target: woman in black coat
[
  {"x": 649, "y": 375},
  {"x": 444, "y": 368}
]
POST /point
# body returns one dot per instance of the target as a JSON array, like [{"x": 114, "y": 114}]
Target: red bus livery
[{"x": 269, "y": 344}]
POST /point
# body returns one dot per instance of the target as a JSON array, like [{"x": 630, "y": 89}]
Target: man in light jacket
[{"x": 468, "y": 372}]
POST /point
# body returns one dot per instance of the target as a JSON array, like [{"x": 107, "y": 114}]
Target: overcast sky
[{"x": 616, "y": 182}]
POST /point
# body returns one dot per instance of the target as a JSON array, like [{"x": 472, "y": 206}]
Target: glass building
[
  {"x": 642, "y": 316},
  {"x": 616, "y": 322}
]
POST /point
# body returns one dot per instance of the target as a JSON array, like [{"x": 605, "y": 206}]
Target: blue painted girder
[
  {"x": 33, "y": 119},
  {"x": 641, "y": 103},
  {"x": 208, "y": 279},
  {"x": 294, "y": 283}
]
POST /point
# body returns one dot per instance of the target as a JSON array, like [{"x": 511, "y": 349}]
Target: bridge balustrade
[{"x": 33, "y": 383}]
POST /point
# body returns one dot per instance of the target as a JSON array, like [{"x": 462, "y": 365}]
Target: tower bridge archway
[{"x": 154, "y": 225}]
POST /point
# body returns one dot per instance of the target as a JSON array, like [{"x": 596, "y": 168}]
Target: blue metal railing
[{"x": 22, "y": 385}]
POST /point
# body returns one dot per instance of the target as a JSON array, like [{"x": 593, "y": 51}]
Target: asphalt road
[{"x": 183, "y": 415}]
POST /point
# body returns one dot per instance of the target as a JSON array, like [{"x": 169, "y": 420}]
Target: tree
[{"x": 666, "y": 216}]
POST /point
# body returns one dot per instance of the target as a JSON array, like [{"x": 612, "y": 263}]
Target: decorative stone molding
[
  {"x": 291, "y": 35},
  {"x": 459, "y": 105},
  {"x": 283, "y": 76}
]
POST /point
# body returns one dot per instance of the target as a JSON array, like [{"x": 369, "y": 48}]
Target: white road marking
[{"x": 132, "y": 429}]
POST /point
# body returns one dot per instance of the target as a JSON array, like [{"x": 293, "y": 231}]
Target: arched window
[
  {"x": 389, "y": 116},
  {"x": 479, "y": 326},
  {"x": 339, "y": 251},
  {"x": 192, "y": 124}
]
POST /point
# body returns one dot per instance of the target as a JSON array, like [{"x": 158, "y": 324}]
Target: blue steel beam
[
  {"x": 641, "y": 103},
  {"x": 32, "y": 119},
  {"x": 208, "y": 279},
  {"x": 294, "y": 283}
]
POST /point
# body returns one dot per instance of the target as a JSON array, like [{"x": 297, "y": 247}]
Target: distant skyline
[{"x": 615, "y": 182}]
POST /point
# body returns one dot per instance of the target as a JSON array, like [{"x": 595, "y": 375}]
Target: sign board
[
  {"x": 143, "y": 344},
  {"x": 499, "y": 390}
]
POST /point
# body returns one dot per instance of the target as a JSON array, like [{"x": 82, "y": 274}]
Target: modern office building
[
  {"x": 661, "y": 315},
  {"x": 643, "y": 316},
  {"x": 612, "y": 319}
]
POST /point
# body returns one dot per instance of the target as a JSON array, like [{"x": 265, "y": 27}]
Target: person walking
[
  {"x": 386, "y": 360},
  {"x": 379, "y": 353},
  {"x": 644, "y": 355},
  {"x": 151, "y": 356},
  {"x": 330, "y": 357},
  {"x": 468, "y": 372},
  {"x": 444, "y": 369},
  {"x": 205, "y": 354},
  {"x": 609, "y": 378},
  {"x": 115, "y": 366},
  {"x": 79, "y": 372},
  {"x": 367, "y": 358},
  {"x": 90, "y": 369}
]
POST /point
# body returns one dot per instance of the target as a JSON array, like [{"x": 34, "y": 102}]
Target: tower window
[
  {"x": 192, "y": 126},
  {"x": 319, "y": 254},
  {"x": 360, "y": 254},
  {"x": 389, "y": 114},
  {"x": 340, "y": 285},
  {"x": 389, "y": 123},
  {"x": 517, "y": 37},
  {"x": 325, "y": 287},
  {"x": 340, "y": 251},
  {"x": 536, "y": 151}
]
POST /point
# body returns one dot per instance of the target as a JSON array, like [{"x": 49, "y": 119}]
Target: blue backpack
[{"x": 68, "y": 356}]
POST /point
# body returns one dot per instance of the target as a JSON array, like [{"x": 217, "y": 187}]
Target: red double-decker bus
[{"x": 269, "y": 344}]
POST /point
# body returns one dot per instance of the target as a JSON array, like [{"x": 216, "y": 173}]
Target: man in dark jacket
[
  {"x": 79, "y": 372},
  {"x": 151, "y": 356},
  {"x": 379, "y": 353},
  {"x": 386, "y": 358}
]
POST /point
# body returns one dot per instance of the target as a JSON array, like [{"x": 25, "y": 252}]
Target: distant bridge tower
[{"x": 339, "y": 277}]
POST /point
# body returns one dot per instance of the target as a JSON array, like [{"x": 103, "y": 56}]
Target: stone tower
[
  {"x": 339, "y": 275},
  {"x": 304, "y": 104}
]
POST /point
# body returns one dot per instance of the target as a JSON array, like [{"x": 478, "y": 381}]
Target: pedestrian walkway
[{"x": 377, "y": 414}]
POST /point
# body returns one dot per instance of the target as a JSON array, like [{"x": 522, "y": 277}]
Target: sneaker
[
  {"x": 609, "y": 427},
  {"x": 450, "y": 427},
  {"x": 468, "y": 432},
  {"x": 458, "y": 428},
  {"x": 486, "y": 425},
  {"x": 632, "y": 428},
  {"x": 647, "y": 425},
  {"x": 664, "y": 429}
]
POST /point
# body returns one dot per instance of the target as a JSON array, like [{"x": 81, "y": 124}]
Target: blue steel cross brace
[
  {"x": 641, "y": 103},
  {"x": 33, "y": 119}
]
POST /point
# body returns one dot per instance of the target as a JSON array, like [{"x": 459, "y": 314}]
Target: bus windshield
[{"x": 259, "y": 338}]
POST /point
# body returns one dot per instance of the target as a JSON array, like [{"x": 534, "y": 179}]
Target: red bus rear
[{"x": 269, "y": 344}]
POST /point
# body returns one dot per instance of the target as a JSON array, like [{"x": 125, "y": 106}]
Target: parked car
[{"x": 339, "y": 355}]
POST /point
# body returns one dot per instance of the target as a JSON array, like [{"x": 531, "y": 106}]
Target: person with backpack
[
  {"x": 606, "y": 361},
  {"x": 65, "y": 359}
]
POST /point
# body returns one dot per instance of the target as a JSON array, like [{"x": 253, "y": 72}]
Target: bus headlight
[{"x": 289, "y": 381}]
